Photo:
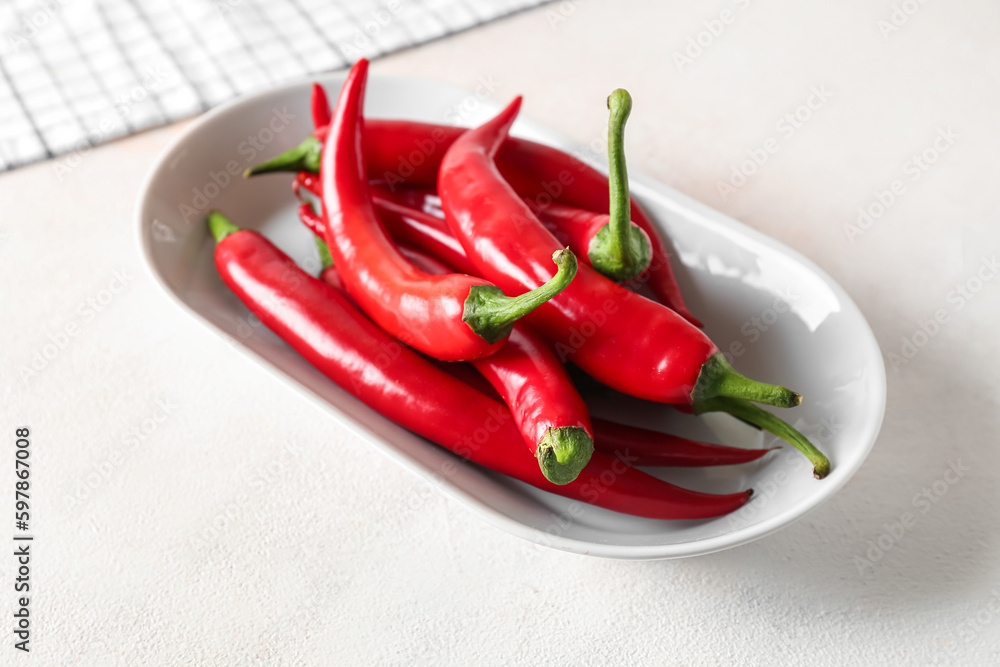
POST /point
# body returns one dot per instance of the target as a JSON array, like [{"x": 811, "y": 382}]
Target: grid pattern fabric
[{"x": 77, "y": 73}]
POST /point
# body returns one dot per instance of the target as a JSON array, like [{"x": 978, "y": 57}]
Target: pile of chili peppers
[{"x": 458, "y": 281}]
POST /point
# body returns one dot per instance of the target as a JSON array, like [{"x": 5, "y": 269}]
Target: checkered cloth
[{"x": 77, "y": 73}]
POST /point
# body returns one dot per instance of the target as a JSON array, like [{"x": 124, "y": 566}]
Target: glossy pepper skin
[
  {"x": 528, "y": 378},
  {"x": 639, "y": 446},
  {"x": 575, "y": 228},
  {"x": 625, "y": 341},
  {"x": 422, "y": 231},
  {"x": 405, "y": 225},
  {"x": 454, "y": 317},
  {"x": 652, "y": 448},
  {"x": 547, "y": 409},
  {"x": 400, "y": 152},
  {"x": 348, "y": 348},
  {"x": 712, "y": 372},
  {"x": 319, "y": 105},
  {"x": 526, "y": 375}
]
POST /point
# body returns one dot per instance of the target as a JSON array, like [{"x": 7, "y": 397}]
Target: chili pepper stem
[
  {"x": 325, "y": 258},
  {"x": 718, "y": 379},
  {"x": 491, "y": 314},
  {"x": 304, "y": 157},
  {"x": 620, "y": 250},
  {"x": 752, "y": 414},
  {"x": 220, "y": 226},
  {"x": 563, "y": 452}
]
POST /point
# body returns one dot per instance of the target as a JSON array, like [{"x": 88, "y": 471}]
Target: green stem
[
  {"x": 761, "y": 418},
  {"x": 563, "y": 452},
  {"x": 491, "y": 314},
  {"x": 620, "y": 249},
  {"x": 220, "y": 226},
  {"x": 620, "y": 105},
  {"x": 719, "y": 379},
  {"x": 324, "y": 252},
  {"x": 304, "y": 157}
]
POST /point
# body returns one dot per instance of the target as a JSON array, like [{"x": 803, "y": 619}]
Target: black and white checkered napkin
[{"x": 77, "y": 73}]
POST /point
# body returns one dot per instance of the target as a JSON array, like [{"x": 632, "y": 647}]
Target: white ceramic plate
[{"x": 788, "y": 322}]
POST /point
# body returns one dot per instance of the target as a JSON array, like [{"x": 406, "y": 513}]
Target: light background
[{"x": 336, "y": 556}]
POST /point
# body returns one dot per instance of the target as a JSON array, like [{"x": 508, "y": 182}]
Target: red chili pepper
[
  {"x": 575, "y": 228},
  {"x": 526, "y": 375},
  {"x": 320, "y": 107},
  {"x": 640, "y": 447},
  {"x": 652, "y": 448},
  {"x": 462, "y": 370},
  {"x": 534, "y": 382},
  {"x": 348, "y": 348},
  {"x": 624, "y": 340},
  {"x": 309, "y": 181},
  {"x": 524, "y": 365},
  {"x": 422, "y": 231},
  {"x": 410, "y": 227},
  {"x": 611, "y": 243},
  {"x": 547, "y": 408},
  {"x": 311, "y": 219},
  {"x": 648, "y": 448},
  {"x": 454, "y": 317},
  {"x": 399, "y": 151}
]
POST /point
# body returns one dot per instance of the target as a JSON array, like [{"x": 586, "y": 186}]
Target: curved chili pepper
[
  {"x": 462, "y": 370},
  {"x": 652, "y": 448},
  {"x": 406, "y": 226},
  {"x": 411, "y": 227},
  {"x": 576, "y": 228},
  {"x": 624, "y": 340},
  {"x": 422, "y": 231},
  {"x": 400, "y": 151},
  {"x": 349, "y": 349},
  {"x": 309, "y": 181},
  {"x": 612, "y": 244},
  {"x": 320, "y": 107},
  {"x": 310, "y": 218},
  {"x": 454, "y": 317},
  {"x": 525, "y": 365},
  {"x": 639, "y": 446},
  {"x": 547, "y": 408}
]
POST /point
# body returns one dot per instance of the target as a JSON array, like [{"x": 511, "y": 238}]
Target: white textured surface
[{"x": 331, "y": 550}]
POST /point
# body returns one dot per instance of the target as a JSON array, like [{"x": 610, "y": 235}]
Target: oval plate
[{"x": 780, "y": 317}]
